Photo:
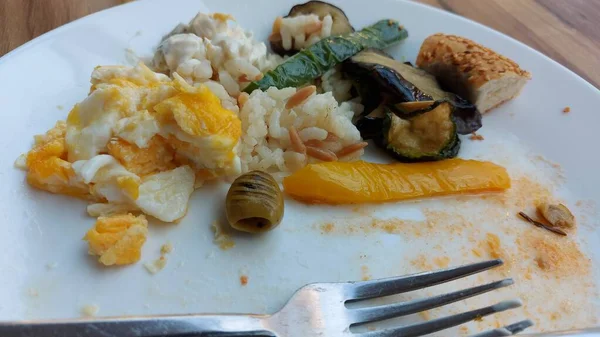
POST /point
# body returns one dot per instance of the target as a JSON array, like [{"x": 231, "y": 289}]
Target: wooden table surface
[{"x": 565, "y": 30}]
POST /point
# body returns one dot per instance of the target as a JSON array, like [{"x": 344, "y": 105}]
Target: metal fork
[{"x": 314, "y": 310}]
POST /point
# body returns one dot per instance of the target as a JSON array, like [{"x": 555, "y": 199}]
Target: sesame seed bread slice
[{"x": 471, "y": 70}]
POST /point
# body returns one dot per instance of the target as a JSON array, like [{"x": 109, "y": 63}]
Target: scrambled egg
[
  {"x": 158, "y": 156},
  {"x": 118, "y": 239},
  {"x": 139, "y": 142},
  {"x": 47, "y": 167}
]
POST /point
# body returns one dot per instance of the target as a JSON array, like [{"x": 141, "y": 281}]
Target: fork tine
[
  {"x": 396, "y": 285},
  {"x": 425, "y": 328},
  {"x": 508, "y": 330},
  {"x": 365, "y": 315}
]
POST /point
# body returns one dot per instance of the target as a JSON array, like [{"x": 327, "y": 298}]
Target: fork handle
[{"x": 154, "y": 326}]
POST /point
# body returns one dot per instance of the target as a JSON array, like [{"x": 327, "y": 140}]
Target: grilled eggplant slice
[
  {"x": 428, "y": 136},
  {"x": 340, "y": 22},
  {"x": 397, "y": 82},
  {"x": 370, "y": 126},
  {"x": 412, "y": 109}
]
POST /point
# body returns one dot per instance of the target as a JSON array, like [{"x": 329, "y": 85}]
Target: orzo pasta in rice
[{"x": 319, "y": 122}]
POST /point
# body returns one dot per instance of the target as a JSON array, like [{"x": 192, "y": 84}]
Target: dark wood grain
[{"x": 565, "y": 30}]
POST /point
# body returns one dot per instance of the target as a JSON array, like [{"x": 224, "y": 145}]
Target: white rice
[
  {"x": 334, "y": 81},
  {"x": 299, "y": 32},
  {"x": 265, "y": 142}
]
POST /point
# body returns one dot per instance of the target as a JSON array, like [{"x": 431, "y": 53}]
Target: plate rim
[{"x": 55, "y": 34}]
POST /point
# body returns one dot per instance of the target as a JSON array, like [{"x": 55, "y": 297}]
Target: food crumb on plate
[
  {"x": 566, "y": 110},
  {"x": 540, "y": 158},
  {"x": 560, "y": 257},
  {"x": 156, "y": 265},
  {"x": 166, "y": 248},
  {"x": 421, "y": 263},
  {"x": 33, "y": 292},
  {"x": 222, "y": 237},
  {"x": 327, "y": 228},
  {"x": 365, "y": 275},
  {"x": 493, "y": 245},
  {"x": 442, "y": 261},
  {"x": 60, "y": 107},
  {"x": 90, "y": 310},
  {"x": 243, "y": 280},
  {"x": 160, "y": 263},
  {"x": 476, "y": 136}
]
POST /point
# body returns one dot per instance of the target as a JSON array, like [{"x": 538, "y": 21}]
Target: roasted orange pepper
[{"x": 362, "y": 182}]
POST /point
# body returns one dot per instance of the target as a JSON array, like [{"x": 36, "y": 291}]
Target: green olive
[{"x": 254, "y": 203}]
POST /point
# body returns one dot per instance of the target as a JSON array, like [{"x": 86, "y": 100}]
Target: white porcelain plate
[{"x": 45, "y": 271}]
